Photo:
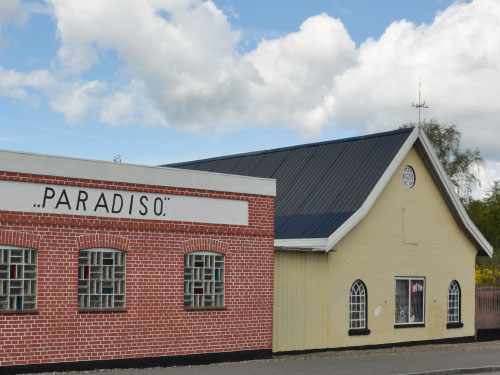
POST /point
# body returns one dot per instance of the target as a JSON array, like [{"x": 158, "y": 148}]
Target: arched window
[
  {"x": 101, "y": 279},
  {"x": 203, "y": 280},
  {"x": 454, "y": 300},
  {"x": 357, "y": 308}
]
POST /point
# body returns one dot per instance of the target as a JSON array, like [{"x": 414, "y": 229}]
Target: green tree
[
  {"x": 461, "y": 166},
  {"x": 485, "y": 214}
]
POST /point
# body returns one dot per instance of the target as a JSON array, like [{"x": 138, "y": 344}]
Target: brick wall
[{"x": 155, "y": 322}]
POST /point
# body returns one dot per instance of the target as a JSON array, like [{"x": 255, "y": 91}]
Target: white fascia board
[
  {"x": 419, "y": 134},
  {"x": 48, "y": 165},
  {"x": 302, "y": 243},
  {"x": 454, "y": 199},
  {"x": 355, "y": 218}
]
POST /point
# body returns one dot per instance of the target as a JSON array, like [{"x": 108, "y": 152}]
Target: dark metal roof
[{"x": 319, "y": 185}]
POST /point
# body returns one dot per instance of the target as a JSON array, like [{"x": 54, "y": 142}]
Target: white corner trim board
[{"x": 48, "y": 165}]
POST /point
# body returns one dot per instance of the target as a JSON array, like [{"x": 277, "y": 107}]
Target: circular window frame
[{"x": 409, "y": 177}]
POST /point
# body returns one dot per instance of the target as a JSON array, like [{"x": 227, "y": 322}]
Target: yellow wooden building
[{"x": 373, "y": 246}]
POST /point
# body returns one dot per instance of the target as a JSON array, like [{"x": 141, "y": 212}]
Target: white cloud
[
  {"x": 130, "y": 106},
  {"x": 8, "y": 10},
  {"x": 459, "y": 60},
  {"x": 191, "y": 70},
  {"x": 487, "y": 175},
  {"x": 181, "y": 68},
  {"x": 21, "y": 85},
  {"x": 187, "y": 63},
  {"x": 184, "y": 53},
  {"x": 17, "y": 12},
  {"x": 298, "y": 73},
  {"x": 76, "y": 60},
  {"x": 74, "y": 101}
]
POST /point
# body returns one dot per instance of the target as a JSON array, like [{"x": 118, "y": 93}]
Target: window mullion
[{"x": 409, "y": 300}]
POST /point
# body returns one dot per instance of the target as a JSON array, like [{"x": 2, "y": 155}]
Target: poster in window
[
  {"x": 401, "y": 301},
  {"x": 417, "y": 301}
]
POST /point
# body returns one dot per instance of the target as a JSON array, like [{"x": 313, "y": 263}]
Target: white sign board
[{"x": 74, "y": 200}]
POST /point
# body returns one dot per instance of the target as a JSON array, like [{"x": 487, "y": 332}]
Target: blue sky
[
  {"x": 166, "y": 81},
  {"x": 363, "y": 19}
]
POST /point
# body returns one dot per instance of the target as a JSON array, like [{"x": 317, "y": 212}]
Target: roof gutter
[{"x": 301, "y": 244}]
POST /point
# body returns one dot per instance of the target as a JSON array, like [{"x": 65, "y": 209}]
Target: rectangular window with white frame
[{"x": 409, "y": 301}]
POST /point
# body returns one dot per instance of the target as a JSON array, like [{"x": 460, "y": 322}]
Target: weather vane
[{"x": 419, "y": 105}]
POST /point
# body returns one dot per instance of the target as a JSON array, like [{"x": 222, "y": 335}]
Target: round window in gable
[{"x": 409, "y": 176}]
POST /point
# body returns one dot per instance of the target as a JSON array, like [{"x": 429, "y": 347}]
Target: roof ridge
[{"x": 305, "y": 145}]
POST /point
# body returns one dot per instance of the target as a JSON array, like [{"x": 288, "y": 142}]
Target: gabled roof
[{"x": 324, "y": 189}]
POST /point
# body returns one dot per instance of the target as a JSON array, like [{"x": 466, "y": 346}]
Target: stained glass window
[
  {"x": 18, "y": 278},
  {"x": 203, "y": 279},
  {"x": 409, "y": 176},
  {"x": 101, "y": 279}
]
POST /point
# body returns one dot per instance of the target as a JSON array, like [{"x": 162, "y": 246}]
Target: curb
[{"x": 453, "y": 371}]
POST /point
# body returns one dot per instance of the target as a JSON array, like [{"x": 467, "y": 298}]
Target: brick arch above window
[
  {"x": 110, "y": 241},
  {"x": 205, "y": 244},
  {"x": 20, "y": 239}
]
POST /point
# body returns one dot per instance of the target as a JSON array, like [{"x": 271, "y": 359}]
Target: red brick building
[{"x": 113, "y": 265}]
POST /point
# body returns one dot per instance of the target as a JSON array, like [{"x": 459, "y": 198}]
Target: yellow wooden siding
[
  {"x": 410, "y": 224},
  {"x": 378, "y": 249},
  {"x": 300, "y": 304}
]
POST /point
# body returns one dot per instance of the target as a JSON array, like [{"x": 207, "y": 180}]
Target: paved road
[{"x": 369, "y": 365}]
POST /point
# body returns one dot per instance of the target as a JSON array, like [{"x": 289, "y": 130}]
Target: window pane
[
  {"x": 18, "y": 277},
  {"x": 453, "y": 303},
  {"x": 417, "y": 301},
  {"x": 203, "y": 280},
  {"x": 357, "y": 305},
  {"x": 401, "y": 301},
  {"x": 101, "y": 279}
]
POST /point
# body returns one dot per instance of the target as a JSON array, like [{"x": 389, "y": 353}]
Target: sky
[{"x": 162, "y": 81}]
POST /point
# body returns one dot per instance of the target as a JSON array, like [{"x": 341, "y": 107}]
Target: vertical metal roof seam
[
  {"x": 293, "y": 197},
  {"x": 324, "y": 166},
  {"x": 376, "y": 161}
]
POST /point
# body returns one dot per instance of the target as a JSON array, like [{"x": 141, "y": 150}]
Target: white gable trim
[
  {"x": 452, "y": 195},
  {"x": 327, "y": 244},
  {"x": 345, "y": 228}
]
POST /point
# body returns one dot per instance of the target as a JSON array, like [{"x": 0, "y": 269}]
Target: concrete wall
[{"x": 408, "y": 232}]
